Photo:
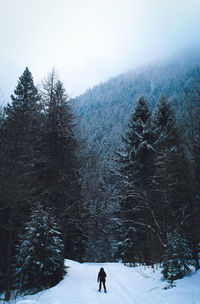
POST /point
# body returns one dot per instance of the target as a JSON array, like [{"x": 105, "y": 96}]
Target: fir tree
[
  {"x": 40, "y": 258},
  {"x": 138, "y": 145},
  {"x": 19, "y": 129},
  {"x": 58, "y": 173},
  {"x": 135, "y": 175},
  {"x": 171, "y": 168},
  {"x": 177, "y": 257},
  {"x": 191, "y": 126}
]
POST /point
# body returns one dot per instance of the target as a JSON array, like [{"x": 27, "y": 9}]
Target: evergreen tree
[
  {"x": 138, "y": 142},
  {"x": 18, "y": 150},
  {"x": 21, "y": 123},
  {"x": 177, "y": 257},
  {"x": 40, "y": 258},
  {"x": 2, "y": 233},
  {"x": 135, "y": 177},
  {"x": 190, "y": 124},
  {"x": 171, "y": 168},
  {"x": 58, "y": 174},
  {"x": 154, "y": 172}
]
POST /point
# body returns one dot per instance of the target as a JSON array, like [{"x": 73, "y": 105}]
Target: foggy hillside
[{"x": 105, "y": 109}]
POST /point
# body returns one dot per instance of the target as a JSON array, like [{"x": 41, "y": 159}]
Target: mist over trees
[{"x": 113, "y": 175}]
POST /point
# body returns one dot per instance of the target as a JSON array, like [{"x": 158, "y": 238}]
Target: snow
[{"x": 125, "y": 285}]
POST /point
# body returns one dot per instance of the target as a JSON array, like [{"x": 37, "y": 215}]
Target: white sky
[{"x": 89, "y": 41}]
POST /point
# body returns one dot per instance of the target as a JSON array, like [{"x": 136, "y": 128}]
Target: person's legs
[
  {"x": 100, "y": 285},
  {"x": 104, "y": 286}
]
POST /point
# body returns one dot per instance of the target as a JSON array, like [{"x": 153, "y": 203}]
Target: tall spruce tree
[
  {"x": 135, "y": 175},
  {"x": 18, "y": 147},
  {"x": 190, "y": 123},
  {"x": 2, "y": 231},
  {"x": 58, "y": 177},
  {"x": 171, "y": 168},
  {"x": 172, "y": 188}
]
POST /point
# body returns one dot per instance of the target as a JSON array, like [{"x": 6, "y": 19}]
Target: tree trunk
[{"x": 8, "y": 280}]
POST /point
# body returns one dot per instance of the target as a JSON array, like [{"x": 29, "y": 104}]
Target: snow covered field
[{"x": 125, "y": 285}]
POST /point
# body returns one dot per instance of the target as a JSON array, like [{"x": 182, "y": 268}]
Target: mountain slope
[
  {"x": 103, "y": 114},
  {"x": 104, "y": 110},
  {"x": 125, "y": 285}
]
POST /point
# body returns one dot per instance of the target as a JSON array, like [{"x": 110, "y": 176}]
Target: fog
[{"x": 89, "y": 41}]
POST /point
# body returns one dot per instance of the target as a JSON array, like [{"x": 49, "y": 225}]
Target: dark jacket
[{"x": 101, "y": 275}]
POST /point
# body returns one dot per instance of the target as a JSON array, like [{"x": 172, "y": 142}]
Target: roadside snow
[{"x": 139, "y": 285}]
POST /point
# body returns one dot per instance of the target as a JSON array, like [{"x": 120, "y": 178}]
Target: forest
[{"x": 112, "y": 175}]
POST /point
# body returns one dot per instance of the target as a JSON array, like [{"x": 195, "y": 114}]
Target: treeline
[
  {"x": 41, "y": 208},
  {"x": 158, "y": 170}
]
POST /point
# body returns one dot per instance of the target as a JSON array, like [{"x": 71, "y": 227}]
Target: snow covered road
[{"x": 125, "y": 285}]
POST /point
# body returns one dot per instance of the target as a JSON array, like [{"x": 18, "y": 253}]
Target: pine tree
[
  {"x": 191, "y": 126},
  {"x": 22, "y": 116},
  {"x": 154, "y": 172},
  {"x": 58, "y": 173},
  {"x": 171, "y": 168},
  {"x": 177, "y": 257},
  {"x": 2, "y": 233},
  {"x": 138, "y": 142},
  {"x": 40, "y": 258},
  {"x": 18, "y": 149},
  {"x": 135, "y": 174}
]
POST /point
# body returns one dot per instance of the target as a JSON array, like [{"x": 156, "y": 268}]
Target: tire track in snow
[
  {"x": 146, "y": 276},
  {"x": 120, "y": 286},
  {"x": 141, "y": 295}
]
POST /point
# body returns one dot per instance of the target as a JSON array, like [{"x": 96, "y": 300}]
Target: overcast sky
[{"x": 89, "y": 41}]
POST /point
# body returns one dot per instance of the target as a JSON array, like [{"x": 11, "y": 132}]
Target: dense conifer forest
[
  {"x": 170, "y": 88},
  {"x": 111, "y": 175}
]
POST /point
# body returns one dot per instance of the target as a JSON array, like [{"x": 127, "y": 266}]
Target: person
[{"x": 101, "y": 279}]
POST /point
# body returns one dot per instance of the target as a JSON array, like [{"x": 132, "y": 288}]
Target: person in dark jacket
[{"x": 102, "y": 279}]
